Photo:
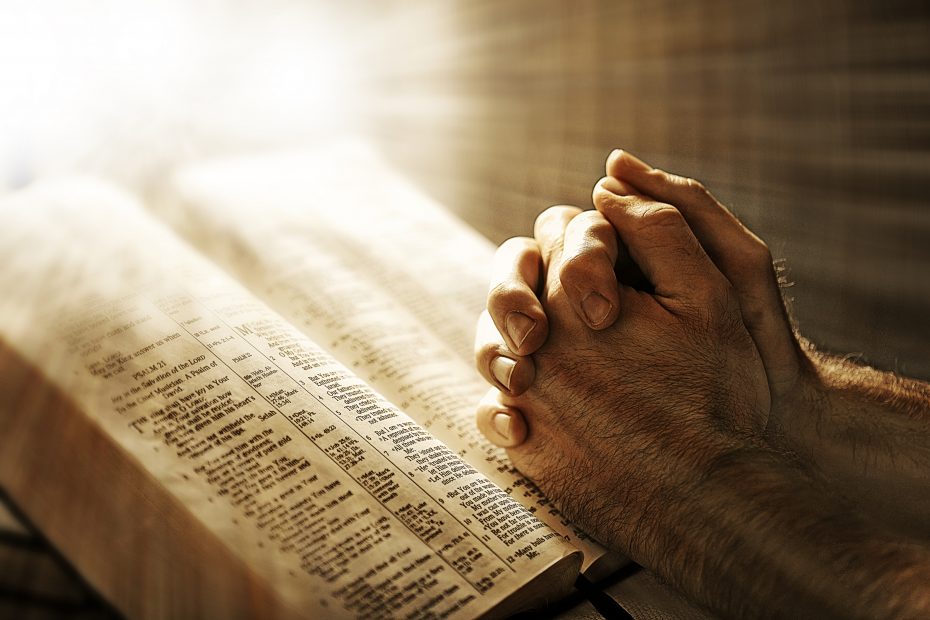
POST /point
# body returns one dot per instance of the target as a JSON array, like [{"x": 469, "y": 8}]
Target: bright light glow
[{"x": 125, "y": 88}]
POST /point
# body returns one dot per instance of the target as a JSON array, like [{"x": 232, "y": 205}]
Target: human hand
[
  {"x": 588, "y": 277},
  {"x": 854, "y": 425},
  {"x": 514, "y": 325},
  {"x": 645, "y": 431},
  {"x": 674, "y": 386}
]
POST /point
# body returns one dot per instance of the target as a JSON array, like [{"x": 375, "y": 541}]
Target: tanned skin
[{"x": 647, "y": 377}]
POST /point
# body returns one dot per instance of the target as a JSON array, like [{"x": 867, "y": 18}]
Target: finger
[
  {"x": 628, "y": 272},
  {"x": 502, "y": 425},
  {"x": 497, "y": 363},
  {"x": 589, "y": 255},
  {"x": 549, "y": 231},
  {"x": 723, "y": 236},
  {"x": 621, "y": 187},
  {"x": 512, "y": 301},
  {"x": 662, "y": 244},
  {"x": 740, "y": 255}
]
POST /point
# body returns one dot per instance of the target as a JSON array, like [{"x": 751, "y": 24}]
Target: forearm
[
  {"x": 868, "y": 391},
  {"x": 760, "y": 538},
  {"x": 868, "y": 433}
]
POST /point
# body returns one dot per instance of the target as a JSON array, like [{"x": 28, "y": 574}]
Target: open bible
[{"x": 250, "y": 393}]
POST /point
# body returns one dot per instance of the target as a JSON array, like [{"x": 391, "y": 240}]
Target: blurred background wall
[{"x": 811, "y": 119}]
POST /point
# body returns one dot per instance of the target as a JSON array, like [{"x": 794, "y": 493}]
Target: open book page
[
  {"x": 380, "y": 275},
  {"x": 252, "y": 427}
]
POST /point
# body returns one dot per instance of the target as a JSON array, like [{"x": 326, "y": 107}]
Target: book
[{"x": 249, "y": 393}]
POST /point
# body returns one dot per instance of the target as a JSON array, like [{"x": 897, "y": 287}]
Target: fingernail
[
  {"x": 501, "y": 422},
  {"x": 519, "y": 327},
  {"x": 502, "y": 368},
  {"x": 596, "y": 308},
  {"x": 636, "y": 161}
]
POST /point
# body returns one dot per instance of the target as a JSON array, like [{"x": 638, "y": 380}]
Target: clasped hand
[
  {"x": 639, "y": 384},
  {"x": 647, "y": 378}
]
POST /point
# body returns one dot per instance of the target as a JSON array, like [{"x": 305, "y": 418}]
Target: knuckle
[
  {"x": 543, "y": 217},
  {"x": 517, "y": 245},
  {"x": 505, "y": 296},
  {"x": 592, "y": 222},
  {"x": 659, "y": 217},
  {"x": 600, "y": 187},
  {"x": 554, "y": 213},
  {"x": 605, "y": 199},
  {"x": 577, "y": 271},
  {"x": 694, "y": 188}
]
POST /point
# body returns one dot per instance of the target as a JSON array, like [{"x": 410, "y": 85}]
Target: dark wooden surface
[{"x": 35, "y": 582}]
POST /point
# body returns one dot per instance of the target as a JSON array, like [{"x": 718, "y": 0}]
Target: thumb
[
  {"x": 740, "y": 255},
  {"x": 662, "y": 244}
]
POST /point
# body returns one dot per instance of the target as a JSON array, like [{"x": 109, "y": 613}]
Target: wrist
[
  {"x": 797, "y": 414},
  {"x": 759, "y": 536}
]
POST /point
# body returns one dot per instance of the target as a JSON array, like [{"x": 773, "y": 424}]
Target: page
[
  {"x": 377, "y": 273},
  {"x": 338, "y": 501}
]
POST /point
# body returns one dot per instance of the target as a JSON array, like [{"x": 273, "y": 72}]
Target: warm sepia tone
[{"x": 811, "y": 120}]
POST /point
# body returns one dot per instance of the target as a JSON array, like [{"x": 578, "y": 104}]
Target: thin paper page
[
  {"x": 253, "y": 426},
  {"x": 380, "y": 275}
]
